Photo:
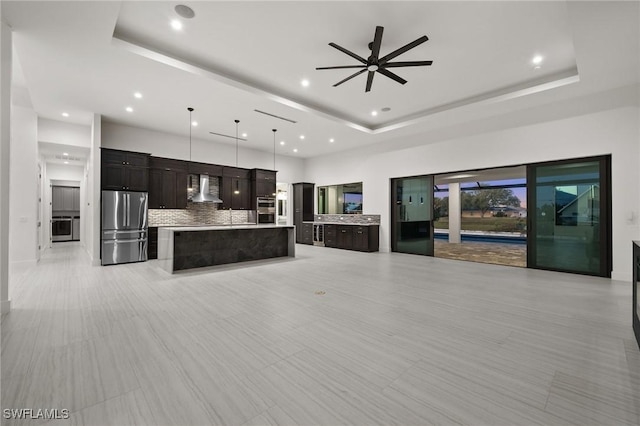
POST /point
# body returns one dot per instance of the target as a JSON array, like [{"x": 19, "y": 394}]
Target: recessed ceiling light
[
  {"x": 374, "y": 113},
  {"x": 301, "y": 136},
  {"x": 184, "y": 11},
  {"x": 66, "y": 162},
  {"x": 305, "y": 83},
  {"x": 65, "y": 114},
  {"x": 129, "y": 109},
  {"x": 295, "y": 149},
  {"x": 194, "y": 123},
  {"x": 65, "y": 153},
  {"x": 176, "y": 25},
  {"x": 244, "y": 135},
  {"x": 331, "y": 140},
  {"x": 137, "y": 95},
  {"x": 537, "y": 60},
  {"x": 281, "y": 142}
]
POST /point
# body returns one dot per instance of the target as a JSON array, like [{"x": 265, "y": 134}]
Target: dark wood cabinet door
[
  {"x": 169, "y": 189},
  {"x": 155, "y": 189},
  {"x": 344, "y": 237},
  {"x": 330, "y": 236},
  {"x": 360, "y": 238},
  {"x": 137, "y": 159},
  {"x": 113, "y": 177},
  {"x": 137, "y": 178},
  {"x": 113, "y": 156},
  {"x": 240, "y": 194},
  {"x": 181, "y": 190}
]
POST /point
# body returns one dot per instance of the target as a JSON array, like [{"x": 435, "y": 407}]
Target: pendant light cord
[
  {"x": 237, "y": 122},
  {"x": 190, "y": 125}
]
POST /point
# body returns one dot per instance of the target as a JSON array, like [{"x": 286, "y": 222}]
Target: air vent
[
  {"x": 276, "y": 116},
  {"x": 227, "y": 136},
  {"x": 68, "y": 157}
]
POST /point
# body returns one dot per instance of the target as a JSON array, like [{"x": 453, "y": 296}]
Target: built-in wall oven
[
  {"x": 266, "y": 210},
  {"x": 61, "y": 228}
]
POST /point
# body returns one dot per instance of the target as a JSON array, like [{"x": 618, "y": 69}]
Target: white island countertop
[{"x": 222, "y": 227}]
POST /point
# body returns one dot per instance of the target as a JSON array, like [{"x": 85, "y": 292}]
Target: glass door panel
[
  {"x": 570, "y": 220},
  {"x": 412, "y": 215}
]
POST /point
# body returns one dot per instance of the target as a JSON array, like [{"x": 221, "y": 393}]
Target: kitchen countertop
[
  {"x": 222, "y": 227},
  {"x": 343, "y": 223}
]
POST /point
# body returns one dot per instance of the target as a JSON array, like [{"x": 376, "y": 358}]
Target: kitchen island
[{"x": 188, "y": 247}]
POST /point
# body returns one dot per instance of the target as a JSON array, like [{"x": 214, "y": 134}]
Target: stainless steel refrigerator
[{"x": 124, "y": 227}]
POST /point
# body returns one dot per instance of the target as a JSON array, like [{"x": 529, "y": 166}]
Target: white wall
[
  {"x": 91, "y": 219},
  {"x": 59, "y": 132},
  {"x": 5, "y": 148},
  {"x": 160, "y": 144},
  {"x": 23, "y": 237},
  {"x": 614, "y": 132}
]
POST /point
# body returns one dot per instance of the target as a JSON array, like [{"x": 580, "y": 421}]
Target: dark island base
[{"x": 198, "y": 249}]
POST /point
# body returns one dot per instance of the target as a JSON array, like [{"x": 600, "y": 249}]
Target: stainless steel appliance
[
  {"x": 266, "y": 210},
  {"x": 61, "y": 228},
  {"x": 124, "y": 227},
  {"x": 75, "y": 228},
  {"x": 318, "y": 234}
]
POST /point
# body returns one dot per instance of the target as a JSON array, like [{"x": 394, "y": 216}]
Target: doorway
[
  {"x": 412, "y": 215},
  {"x": 570, "y": 220},
  {"x": 282, "y": 207}
]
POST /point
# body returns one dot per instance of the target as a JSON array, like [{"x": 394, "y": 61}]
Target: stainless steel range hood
[{"x": 203, "y": 195}]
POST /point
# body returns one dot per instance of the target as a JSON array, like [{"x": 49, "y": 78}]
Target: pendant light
[
  {"x": 190, "y": 188},
  {"x": 237, "y": 190}
]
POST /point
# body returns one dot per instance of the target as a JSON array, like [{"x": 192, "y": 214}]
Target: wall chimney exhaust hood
[{"x": 203, "y": 195}]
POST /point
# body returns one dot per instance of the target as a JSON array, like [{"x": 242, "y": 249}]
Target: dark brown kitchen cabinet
[
  {"x": 352, "y": 237},
  {"x": 306, "y": 236},
  {"x": 152, "y": 243},
  {"x": 264, "y": 182},
  {"x": 302, "y": 208},
  {"x": 236, "y": 188},
  {"x": 167, "y": 184},
  {"x": 204, "y": 169},
  {"x": 124, "y": 170},
  {"x": 344, "y": 237},
  {"x": 330, "y": 235}
]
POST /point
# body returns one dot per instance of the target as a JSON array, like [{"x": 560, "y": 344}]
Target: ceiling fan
[{"x": 374, "y": 64}]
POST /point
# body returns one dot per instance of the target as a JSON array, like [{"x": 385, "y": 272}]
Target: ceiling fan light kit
[{"x": 375, "y": 64}]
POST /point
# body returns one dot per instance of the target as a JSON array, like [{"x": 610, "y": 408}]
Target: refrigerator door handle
[{"x": 139, "y": 240}]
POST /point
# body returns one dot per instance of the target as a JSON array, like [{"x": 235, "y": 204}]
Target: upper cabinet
[
  {"x": 236, "y": 188},
  {"x": 167, "y": 183},
  {"x": 124, "y": 170},
  {"x": 264, "y": 183},
  {"x": 204, "y": 169}
]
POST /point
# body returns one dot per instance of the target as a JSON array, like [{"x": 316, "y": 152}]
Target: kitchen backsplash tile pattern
[
  {"x": 365, "y": 219},
  {"x": 200, "y": 213}
]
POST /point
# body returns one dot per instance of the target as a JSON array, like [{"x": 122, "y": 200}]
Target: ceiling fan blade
[
  {"x": 377, "y": 41},
  {"x": 403, "y": 49},
  {"x": 392, "y": 75},
  {"x": 341, "y": 67},
  {"x": 369, "y": 81},
  {"x": 348, "y": 52},
  {"x": 350, "y": 77},
  {"x": 407, "y": 64}
]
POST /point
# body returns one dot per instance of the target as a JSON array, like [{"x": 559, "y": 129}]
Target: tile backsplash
[
  {"x": 370, "y": 219},
  {"x": 200, "y": 213}
]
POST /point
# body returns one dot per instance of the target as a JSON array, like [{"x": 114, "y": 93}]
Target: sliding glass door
[
  {"x": 569, "y": 216},
  {"x": 412, "y": 215}
]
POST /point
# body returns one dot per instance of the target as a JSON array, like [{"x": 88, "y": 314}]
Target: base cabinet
[
  {"x": 152, "y": 243},
  {"x": 306, "y": 234},
  {"x": 352, "y": 237}
]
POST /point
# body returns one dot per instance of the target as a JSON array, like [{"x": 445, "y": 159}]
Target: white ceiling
[{"x": 234, "y": 57}]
